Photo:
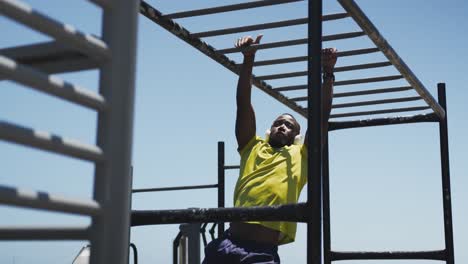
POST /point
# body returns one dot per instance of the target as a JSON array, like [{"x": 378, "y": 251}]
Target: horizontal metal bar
[
  {"x": 385, "y": 111},
  {"x": 52, "y": 85},
  {"x": 368, "y": 80},
  {"x": 290, "y": 212},
  {"x": 176, "y": 188},
  {"x": 387, "y": 255},
  {"x": 227, "y": 8},
  {"x": 278, "y": 24},
  {"x": 376, "y": 102},
  {"x": 42, "y": 200},
  {"x": 43, "y": 233},
  {"x": 304, "y": 58},
  {"x": 182, "y": 33},
  {"x": 335, "y": 125},
  {"x": 63, "y": 33},
  {"x": 296, "y": 42},
  {"x": 231, "y": 167},
  {"x": 50, "y": 57},
  {"x": 291, "y": 88},
  {"x": 361, "y": 19},
  {"x": 46, "y": 141},
  {"x": 375, "y": 91},
  {"x": 337, "y": 69}
]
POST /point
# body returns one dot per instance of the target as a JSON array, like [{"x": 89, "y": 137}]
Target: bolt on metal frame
[
  {"x": 308, "y": 212},
  {"x": 73, "y": 50}
]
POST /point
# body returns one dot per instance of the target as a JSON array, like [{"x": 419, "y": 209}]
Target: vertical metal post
[
  {"x": 192, "y": 234},
  {"x": 314, "y": 128},
  {"x": 326, "y": 204},
  {"x": 221, "y": 174},
  {"x": 112, "y": 186},
  {"x": 444, "y": 157}
]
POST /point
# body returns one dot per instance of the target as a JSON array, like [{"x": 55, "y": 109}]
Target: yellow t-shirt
[{"x": 271, "y": 176}]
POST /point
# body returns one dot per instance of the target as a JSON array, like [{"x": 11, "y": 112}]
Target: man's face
[{"x": 282, "y": 131}]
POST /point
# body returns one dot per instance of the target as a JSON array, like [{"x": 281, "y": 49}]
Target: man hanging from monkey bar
[{"x": 273, "y": 170}]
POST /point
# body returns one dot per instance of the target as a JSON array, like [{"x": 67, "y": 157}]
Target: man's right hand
[{"x": 245, "y": 44}]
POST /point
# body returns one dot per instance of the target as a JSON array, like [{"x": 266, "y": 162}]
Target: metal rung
[
  {"x": 50, "y": 84},
  {"x": 66, "y": 34},
  {"x": 368, "y": 80},
  {"x": 335, "y": 125},
  {"x": 46, "y": 141},
  {"x": 291, "y": 88},
  {"x": 434, "y": 255},
  {"x": 42, "y": 200},
  {"x": 43, "y": 233},
  {"x": 296, "y": 42},
  {"x": 176, "y": 188},
  {"x": 376, "y": 102},
  {"x": 375, "y": 91},
  {"x": 305, "y": 58},
  {"x": 50, "y": 57},
  {"x": 284, "y": 23},
  {"x": 231, "y": 167},
  {"x": 227, "y": 8},
  {"x": 337, "y": 69},
  {"x": 385, "y": 111}
]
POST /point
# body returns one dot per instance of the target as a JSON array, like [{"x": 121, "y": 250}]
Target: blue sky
[{"x": 385, "y": 181}]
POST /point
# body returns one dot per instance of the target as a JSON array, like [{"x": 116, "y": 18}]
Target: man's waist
[{"x": 255, "y": 232}]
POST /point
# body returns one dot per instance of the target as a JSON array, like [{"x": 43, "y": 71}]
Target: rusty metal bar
[
  {"x": 385, "y": 111},
  {"x": 284, "y": 23},
  {"x": 227, "y": 8},
  {"x": 335, "y": 125},
  {"x": 290, "y": 212},
  {"x": 304, "y": 58},
  {"x": 369, "y": 80},
  {"x": 387, "y": 255},
  {"x": 361, "y": 19},
  {"x": 294, "y": 42},
  {"x": 375, "y": 91}
]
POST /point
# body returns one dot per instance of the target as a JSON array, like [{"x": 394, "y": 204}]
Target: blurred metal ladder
[{"x": 73, "y": 50}]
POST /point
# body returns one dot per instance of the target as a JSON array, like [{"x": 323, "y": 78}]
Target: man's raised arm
[{"x": 245, "y": 118}]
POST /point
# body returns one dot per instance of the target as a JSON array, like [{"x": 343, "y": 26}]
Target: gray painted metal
[
  {"x": 294, "y": 42},
  {"x": 227, "y": 8},
  {"x": 284, "y": 23},
  {"x": 102, "y": 3},
  {"x": 361, "y": 19},
  {"x": 43, "y": 233},
  {"x": 46, "y": 141},
  {"x": 192, "y": 233},
  {"x": 42, "y": 200},
  {"x": 113, "y": 180},
  {"x": 66, "y": 34},
  {"x": 50, "y": 84},
  {"x": 50, "y": 57},
  {"x": 385, "y": 111}
]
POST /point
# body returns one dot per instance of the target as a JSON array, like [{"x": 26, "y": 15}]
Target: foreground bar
[
  {"x": 43, "y": 233},
  {"x": 292, "y": 212},
  {"x": 66, "y": 34},
  {"x": 46, "y": 201},
  {"x": 387, "y": 255},
  {"x": 227, "y": 8},
  {"x": 46, "y": 141},
  {"x": 335, "y": 125},
  {"x": 364, "y": 22},
  {"x": 50, "y": 84}
]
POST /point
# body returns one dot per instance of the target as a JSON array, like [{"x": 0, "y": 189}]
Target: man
[{"x": 273, "y": 171}]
